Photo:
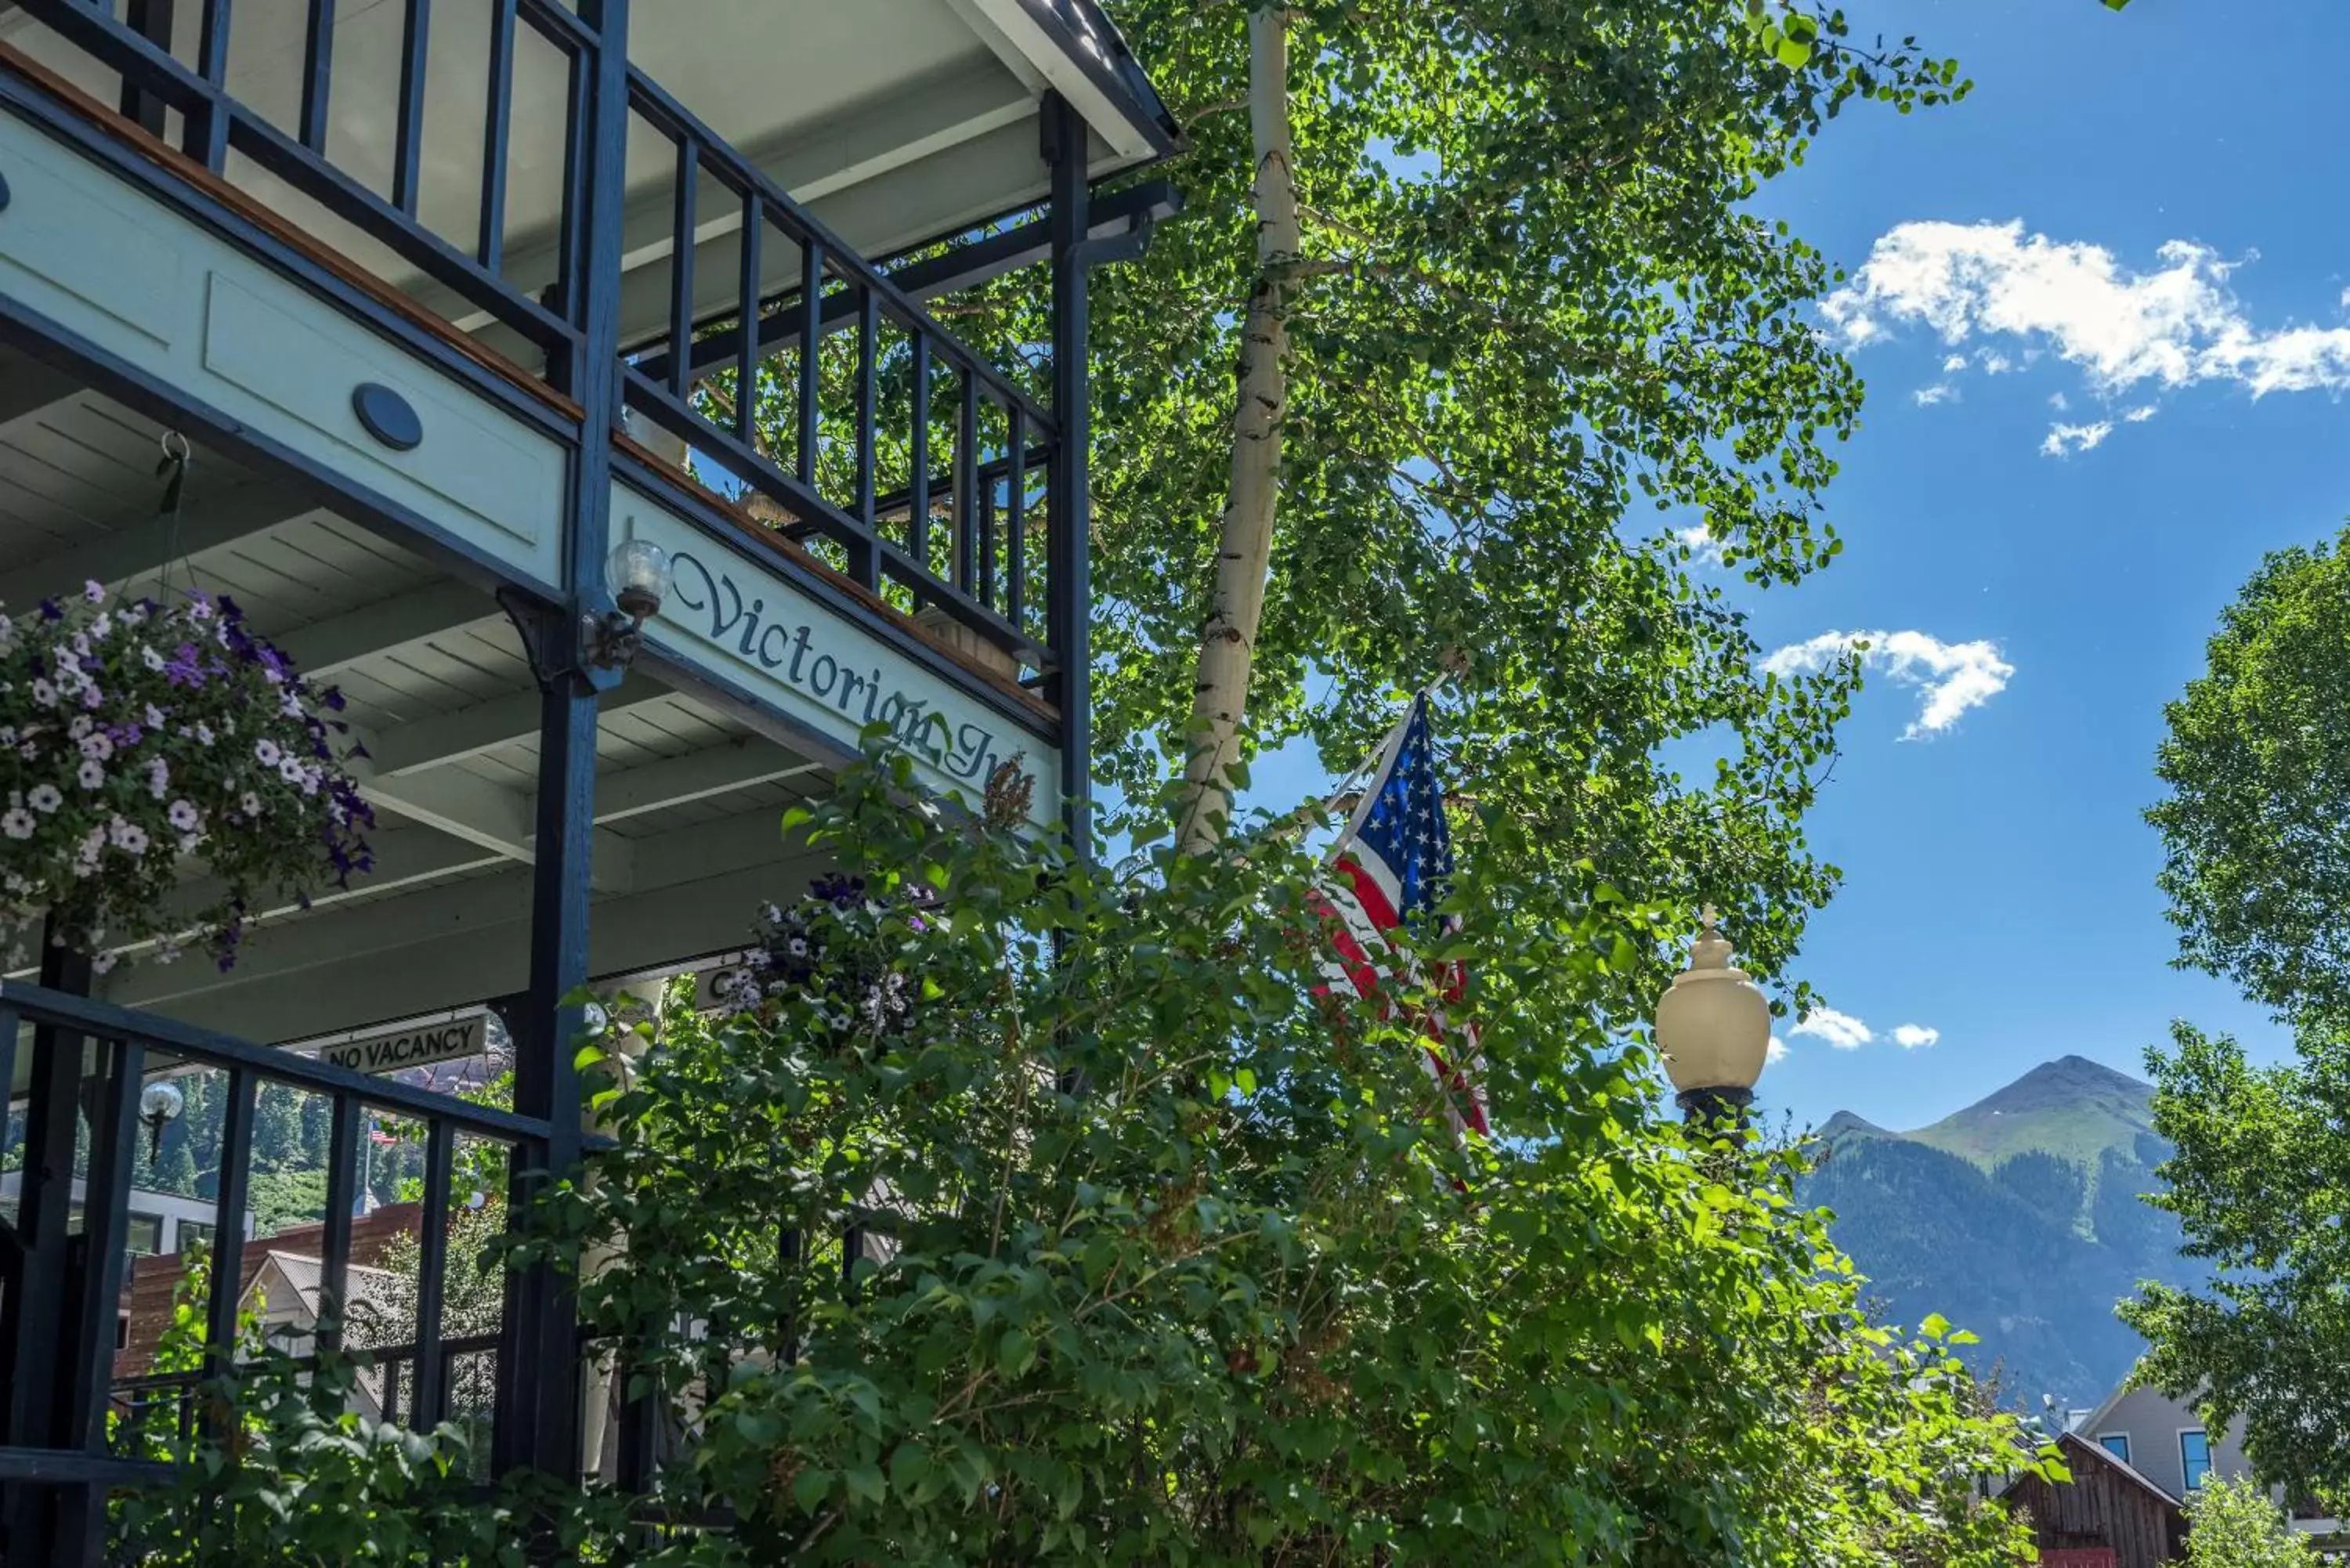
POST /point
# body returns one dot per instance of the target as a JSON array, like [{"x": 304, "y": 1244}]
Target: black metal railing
[
  {"x": 803, "y": 422},
  {"x": 60, "y": 1288},
  {"x": 214, "y": 124},
  {"x": 888, "y": 446}
]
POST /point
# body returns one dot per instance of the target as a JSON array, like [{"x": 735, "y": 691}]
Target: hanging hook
[{"x": 173, "y": 469}]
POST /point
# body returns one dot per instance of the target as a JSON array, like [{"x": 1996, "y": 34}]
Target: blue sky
[{"x": 2131, "y": 216}]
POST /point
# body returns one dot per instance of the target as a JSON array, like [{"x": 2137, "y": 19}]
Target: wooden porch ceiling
[{"x": 441, "y": 695}]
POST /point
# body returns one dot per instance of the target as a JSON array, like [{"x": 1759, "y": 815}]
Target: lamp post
[{"x": 1713, "y": 1028}]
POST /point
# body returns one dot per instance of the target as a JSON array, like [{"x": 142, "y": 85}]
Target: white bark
[{"x": 1244, "y": 550}]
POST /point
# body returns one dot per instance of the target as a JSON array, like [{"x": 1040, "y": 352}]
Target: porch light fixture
[
  {"x": 159, "y": 1103},
  {"x": 1713, "y": 1028},
  {"x": 637, "y": 573}
]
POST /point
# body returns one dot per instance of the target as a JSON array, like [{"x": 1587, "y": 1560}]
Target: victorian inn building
[{"x": 412, "y": 327}]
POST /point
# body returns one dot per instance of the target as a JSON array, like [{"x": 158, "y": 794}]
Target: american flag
[{"x": 1391, "y": 869}]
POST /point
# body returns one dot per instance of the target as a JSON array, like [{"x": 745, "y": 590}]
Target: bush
[
  {"x": 1161, "y": 1255},
  {"x": 2232, "y": 1524}
]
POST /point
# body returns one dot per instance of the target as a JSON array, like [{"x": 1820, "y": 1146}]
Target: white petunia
[
  {"x": 17, "y": 822},
  {"x": 45, "y": 798},
  {"x": 44, "y": 692},
  {"x": 183, "y": 816},
  {"x": 265, "y": 752},
  {"x": 97, "y": 748},
  {"x": 91, "y": 774}
]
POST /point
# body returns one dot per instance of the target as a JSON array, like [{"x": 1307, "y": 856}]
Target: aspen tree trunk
[{"x": 1244, "y": 550}]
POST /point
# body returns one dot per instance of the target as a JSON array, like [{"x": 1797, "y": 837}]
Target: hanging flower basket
[
  {"x": 137, "y": 737},
  {"x": 829, "y": 948}
]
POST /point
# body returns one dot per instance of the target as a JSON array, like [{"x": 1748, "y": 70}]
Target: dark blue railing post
[
  {"x": 539, "y": 1364},
  {"x": 1069, "y": 567},
  {"x": 38, "y": 1315}
]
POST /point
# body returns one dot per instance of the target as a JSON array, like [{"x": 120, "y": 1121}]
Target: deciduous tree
[{"x": 2258, "y": 1182}]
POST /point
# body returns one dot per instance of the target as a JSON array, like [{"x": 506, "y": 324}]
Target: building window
[
  {"x": 142, "y": 1236},
  {"x": 195, "y": 1233},
  {"x": 2117, "y": 1445},
  {"x": 2194, "y": 1458}
]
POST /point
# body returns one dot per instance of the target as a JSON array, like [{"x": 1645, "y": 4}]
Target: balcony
[{"x": 446, "y": 299}]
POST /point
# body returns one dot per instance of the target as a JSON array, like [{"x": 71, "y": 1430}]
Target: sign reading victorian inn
[{"x": 800, "y": 654}]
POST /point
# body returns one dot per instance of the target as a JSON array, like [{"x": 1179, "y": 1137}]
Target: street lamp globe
[{"x": 1713, "y": 1029}]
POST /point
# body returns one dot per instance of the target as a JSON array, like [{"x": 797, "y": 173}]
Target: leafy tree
[
  {"x": 1522, "y": 293},
  {"x": 177, "y": 1172},
  {"x": 2256, "y": 828},
  {"x": 1244, "y": 1298},
  {"x": 1166, "y": 1257},
  {"x": 277, "y": 1128},
  {"x": 2260, "y": 1182},
  {"x": 2232, "y": 1524}
]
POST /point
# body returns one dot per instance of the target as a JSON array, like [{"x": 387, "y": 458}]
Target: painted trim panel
[{"x": 144, "y": 283}]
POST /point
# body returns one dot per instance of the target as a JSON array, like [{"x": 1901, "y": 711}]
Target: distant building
[
  {"x": 278, "y": 1278},
  {"x": 159, "y": 1222},
  {"x": 2134, "y": 1459}
]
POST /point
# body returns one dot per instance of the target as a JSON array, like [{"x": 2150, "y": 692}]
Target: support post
[
  {"x": 38, "y": 1323},
  {"x": 1069, "y": 611},
  {"x": 539, "y": 1366}
]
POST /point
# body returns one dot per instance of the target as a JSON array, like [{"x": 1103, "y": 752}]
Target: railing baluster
[
  {"x": 789, "y": 1255},
  {"x": 204, "y": 136},
  {"x": 432, "y": 1274},
  {"x": 680, "y": 264},
  {"x": 105, "y": 1224},
  {"x": 11, "y": 1025},
  {"x": 811, "y": 352},
  {"x": 917, "y": 512},
  {"x": 152, "y": 20},
  {"x": 852, "y": 1247},
  {"x": 228, "y": 1232},
  {"x": 966, "y": 483},
  {"x": 343, "y": 1198},
  {"x": 747, "y": 353},
  {"x": 408, "y": 136},
  {"x": 317, "y": 73},
  {"x": 498, "y": 125},
  {"x": 864, "y": 560},
  {"x": 1015, "y": 524}
]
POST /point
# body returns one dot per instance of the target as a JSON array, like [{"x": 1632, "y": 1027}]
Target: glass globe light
[
  {"x": 1713, "y": 1028},
  {"x": 160, "y": 1101},
  {"x": 637, "y": 574}
]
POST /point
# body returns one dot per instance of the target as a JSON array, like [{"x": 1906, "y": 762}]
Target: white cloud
[
  {"x": 1951, "y": 677},
  {"x": 1958, "y": 362},
  {"x": 1703, "y": 548},
  {"x": 1910, "y": 1037},
  {"x": 2056, "y": 401},
  {"x": 1940, "y": 391},
  {"x": 1841, "y": 1030},
  {"x": 2172, "y": 325},
  {"x": 1776, "y": 1054},
  {"x": 2065, "y": 440},
  {"x": 1996, "y": 364},
  {"x": 2140, "y": 414}
]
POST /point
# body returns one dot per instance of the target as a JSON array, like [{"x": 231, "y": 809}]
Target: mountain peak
[
  {"x": 2072, "y": 1108},
  {"x": 1843, "y": 1125}
]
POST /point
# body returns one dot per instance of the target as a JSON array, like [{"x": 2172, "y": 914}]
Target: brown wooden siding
[{"x": 2102, "y": 1505}]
